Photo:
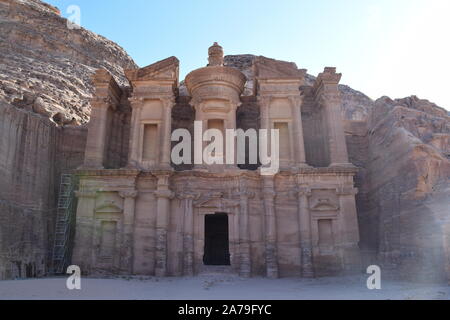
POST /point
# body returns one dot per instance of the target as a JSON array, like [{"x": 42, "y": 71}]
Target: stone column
[
  {"x": 244, "y": 235},
  {"x": 336, "y": 136},
  {"x": 135, "y": 131},
  {"x": 270, "y": 227},
  {"x": 264, "y": 106},
  {"x": 304, "y": 218},
  {"x": 349, "y": 228},
  {"x": 188, "y": 233},
  {"x": 230, "y": 123},
  {"x": 300, "y": 156},
  {"x": 167, "y": 132},
  {"x": 97, "y": 135},
  {"x": 83, "y": 251},
  {"x": 163, "y": 195},
  {"x": 127, "y": 257},
  {"x": 199, "y": 116}
]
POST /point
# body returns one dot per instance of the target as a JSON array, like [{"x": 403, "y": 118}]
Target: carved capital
[
  {"x": 296, "y": 101},
  {"x": 244, "y": 194},
  {"x": 347, "y": 191},
  {"x": 168, "y": 102},
  {"x": 264, "y": 101},
  {"x": 304, "y": 191},
  {"x": 164, "y": 194},
  {"x": 269, "y": 194},
  {"x": 128, "y": 194},
  {"x": 329, "y": 98},
  {"x": 163, "y": 177},
  {"x": 103, "y": 102},
  {"x": 136, "y": 102}
]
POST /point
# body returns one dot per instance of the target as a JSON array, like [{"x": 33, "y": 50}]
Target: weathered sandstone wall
[
  {"x": 33, "y": 154},
  {"x": 408, "y": 187},
  {"x": 45, "y": 87}
]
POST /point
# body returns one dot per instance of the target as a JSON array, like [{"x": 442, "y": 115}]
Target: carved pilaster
[
  {"x": 264, "y": 104},
  {"x": 244, "y": 233},
  {"x": 97, "y": 139},
  {"x": 296, "y": 103},
  {"x": 270, "y": 227},
  {"x": 331, "y": 104},
  {"x": 83, "y": 242},
  {"x": 187, "y": 200},
  {"x": 304, "y": 217},
  {"x": 168, "y": 104},
  {"x": 349, "y": 228},
  {"x": 127, "y": 258},
  {"x": 136, "y": 105},
  {"x": 163, "y": 195}
]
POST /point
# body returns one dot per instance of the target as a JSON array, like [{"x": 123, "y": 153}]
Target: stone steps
[{"x": 217, "y": 270}]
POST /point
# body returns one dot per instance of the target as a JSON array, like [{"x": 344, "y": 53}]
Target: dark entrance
[{"x": 217, "y": 252}]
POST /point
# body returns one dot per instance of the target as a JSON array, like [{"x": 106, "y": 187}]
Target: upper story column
[
  {"x": 154, "y": 95},
  {"x": 168, "y": 104},
  {"x": 105, "y": 102},
  {"x": 328, "y": 97},
  {"x": 300, "y": 156}
]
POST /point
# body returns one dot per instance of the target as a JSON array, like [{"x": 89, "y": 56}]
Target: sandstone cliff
[
  {"x": 46, "y": 68},
  {"x": 407, "y": 187},
  {"x": 45, "y": 83}
]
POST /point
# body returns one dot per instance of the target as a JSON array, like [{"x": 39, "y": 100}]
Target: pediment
[
  {"x": 109, "y": 207},
  {"x": 324, "y": 205},
  {"x": 215, "y": 201},
  {"x": 266, "y": 68},
  {"x": 166, "y": 69}
]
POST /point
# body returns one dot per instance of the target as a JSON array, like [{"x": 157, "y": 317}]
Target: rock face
[
  {"x": 45, "y": 83},
  {"x": 46, "y": 67},
  {"x": 407, "y": 187},
  {"x": 401, "y": 146}
]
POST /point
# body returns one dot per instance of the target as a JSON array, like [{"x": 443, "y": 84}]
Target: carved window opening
[
  {"x": 285, "y": 143},
  {"x": 326, "y": 238},
  {"x": 108, "y": 239},
  {"x": 219, "y": 125},
  {"x": 150, "y": 145}
]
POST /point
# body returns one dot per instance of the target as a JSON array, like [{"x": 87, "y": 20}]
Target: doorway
[{"x": 217, "y": 251}]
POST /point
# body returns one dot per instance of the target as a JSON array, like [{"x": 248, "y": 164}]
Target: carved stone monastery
[{"x": 138, "y": 213}]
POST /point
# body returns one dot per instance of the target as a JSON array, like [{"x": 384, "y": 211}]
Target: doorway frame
[
  {"x": 231, "y": 210},
  {"x": 217, "y": 214}
]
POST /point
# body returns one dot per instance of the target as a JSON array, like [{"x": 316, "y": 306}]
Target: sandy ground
[{"x": 214, "y": 287}]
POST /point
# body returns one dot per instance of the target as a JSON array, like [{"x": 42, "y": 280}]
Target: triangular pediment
[
  {"x": 209, "y": 200},
  {"x": 266, "y": 68},
  {"x": 215, "y": 200},
  {"x": 324, "y": 205},
  {"x": 109, "y": 207},
  {"x": 166, "y": 69}
]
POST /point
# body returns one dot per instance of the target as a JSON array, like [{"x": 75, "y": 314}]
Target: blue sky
[{"x": 385, "y": 47}]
